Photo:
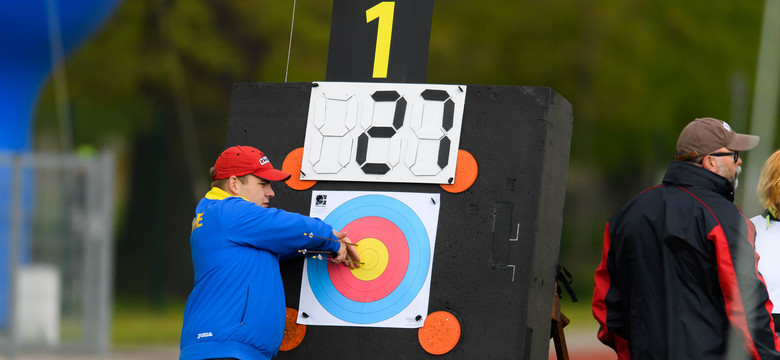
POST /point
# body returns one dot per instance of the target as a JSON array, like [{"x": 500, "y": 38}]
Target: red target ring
[{"x": 397, "y": 262}]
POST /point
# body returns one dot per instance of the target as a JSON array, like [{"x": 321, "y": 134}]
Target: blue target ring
[{"x": 417, "y": 272}]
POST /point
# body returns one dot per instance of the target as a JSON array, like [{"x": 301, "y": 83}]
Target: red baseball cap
[{"x": 243, "y": 160}]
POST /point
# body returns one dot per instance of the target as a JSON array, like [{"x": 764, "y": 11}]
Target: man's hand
[{"x": 347, "y": 253}]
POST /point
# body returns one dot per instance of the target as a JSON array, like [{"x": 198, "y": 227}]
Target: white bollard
[{"x": 37, "y": 312}]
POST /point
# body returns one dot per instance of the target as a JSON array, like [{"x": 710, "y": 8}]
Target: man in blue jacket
[{"x": 236, "y": 309}]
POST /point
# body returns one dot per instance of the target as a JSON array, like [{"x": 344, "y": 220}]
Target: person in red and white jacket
[{"x": 678, "y": 277}]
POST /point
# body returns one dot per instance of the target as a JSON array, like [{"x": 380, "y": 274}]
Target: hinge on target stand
[
  {"x": 516, "y": 238},
  {"x": 501, "y": 241}
]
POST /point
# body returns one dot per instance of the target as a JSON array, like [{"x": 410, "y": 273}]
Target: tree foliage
[{"x": 635, "y": 71}]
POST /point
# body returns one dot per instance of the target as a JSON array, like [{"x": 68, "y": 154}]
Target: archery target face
[{"x": 395, "y": 235}]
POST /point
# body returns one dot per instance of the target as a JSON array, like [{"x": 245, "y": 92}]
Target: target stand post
[{"x": 558, "y": 322}]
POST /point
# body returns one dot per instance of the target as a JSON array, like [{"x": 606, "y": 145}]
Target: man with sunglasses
[{"x": 678, "y": 276}]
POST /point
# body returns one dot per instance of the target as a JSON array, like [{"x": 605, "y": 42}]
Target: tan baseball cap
[{"x": 705, "y": 135}]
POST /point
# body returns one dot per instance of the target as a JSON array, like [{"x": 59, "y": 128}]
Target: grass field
[
  {"x": 137, "y": 322},
  {"x": 580, "y": 314}
]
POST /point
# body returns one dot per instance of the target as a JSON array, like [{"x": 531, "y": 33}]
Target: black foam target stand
[{"x": 497, "y": 243}]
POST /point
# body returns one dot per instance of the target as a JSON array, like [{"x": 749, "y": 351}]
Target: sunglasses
[{"x": 734, "y": 153}]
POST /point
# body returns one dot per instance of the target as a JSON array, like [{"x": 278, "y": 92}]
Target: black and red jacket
[{"x": 678, "y": 276}]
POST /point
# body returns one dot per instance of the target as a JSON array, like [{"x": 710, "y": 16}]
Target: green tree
[{"x": 635, "y": 72}]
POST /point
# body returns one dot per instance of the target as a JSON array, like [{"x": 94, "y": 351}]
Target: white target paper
[{"x": 395, "y": 234}]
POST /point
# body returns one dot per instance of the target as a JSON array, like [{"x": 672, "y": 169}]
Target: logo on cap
[
  {"x": 263, "y": 160},
  {"x": 726, "y": 126}
]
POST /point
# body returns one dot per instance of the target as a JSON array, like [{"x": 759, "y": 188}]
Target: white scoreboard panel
[{"x": 383, "y": 132}]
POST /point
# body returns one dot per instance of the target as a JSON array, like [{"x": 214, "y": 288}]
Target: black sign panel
[
  {"x": 379, "y": 41},
  {"x": 497, "y": 242}
]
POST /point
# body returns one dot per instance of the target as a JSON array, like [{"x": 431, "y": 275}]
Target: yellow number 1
[{"x": 384, "y": 12}]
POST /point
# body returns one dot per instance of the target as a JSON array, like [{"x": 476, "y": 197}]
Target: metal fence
[{"x": 56, "y": 257}]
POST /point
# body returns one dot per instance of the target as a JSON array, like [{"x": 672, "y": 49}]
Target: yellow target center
[{"x": 373, "y": 255}]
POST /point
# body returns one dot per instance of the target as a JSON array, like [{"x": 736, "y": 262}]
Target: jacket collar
[
  {"x": 685, "y": 174},
  {"x": 218, "y": 194},
  {"x": 770, "y": 214}
]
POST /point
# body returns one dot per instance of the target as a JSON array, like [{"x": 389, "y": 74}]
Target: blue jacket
[{"x": 237, "y": 307}]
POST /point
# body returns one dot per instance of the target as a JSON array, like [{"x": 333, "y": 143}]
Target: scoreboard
[{"x": 383, "y": 132}]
